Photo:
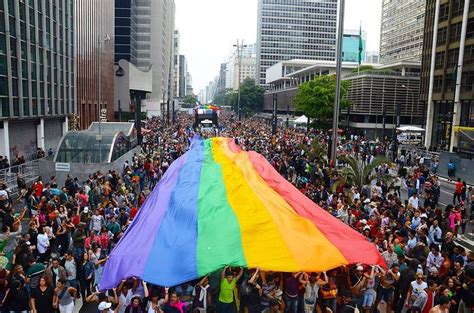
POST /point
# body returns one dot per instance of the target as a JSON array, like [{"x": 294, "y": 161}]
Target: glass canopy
[{"x": 103, "y": 143}]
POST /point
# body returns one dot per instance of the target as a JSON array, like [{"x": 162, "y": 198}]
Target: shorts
[
  {"x": 385, "y": 293},
  {"x": 368, "y": 299}
]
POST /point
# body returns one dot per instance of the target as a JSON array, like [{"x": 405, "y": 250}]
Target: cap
[
  {"x": 359, "y": 268},
  {"x": 367, "y": 201},
  {"x": 366, "y": 227},
  {"x": 104, "y": 305},
  {"x": 434, "y": 269},
  {"x": 373, "y": 204},
  {"x": 363, "y": 221},
  {"x": 86, "y": 209}
]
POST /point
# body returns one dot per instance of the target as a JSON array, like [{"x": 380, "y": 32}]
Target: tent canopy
[
  {"x": 410, "y": 129},
  {"x": 301, "y": 120}
]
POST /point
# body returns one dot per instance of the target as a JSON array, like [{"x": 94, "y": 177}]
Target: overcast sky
[{"x": 209, "y": 28}]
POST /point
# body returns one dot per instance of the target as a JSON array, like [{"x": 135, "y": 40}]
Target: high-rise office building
[
  {"x": 183, "y": 70},
  {"x": 155, "y": 30},
  {"x": 36, "y": 74},
  {"x": 294, "y": 29},
  {"x": 401, "y": 34},
  {"x": 176, "y": 48},
  {"x": 247, "y": 68},
  {"x": 350, "y": 45},
  {"x": 95, "y": 60},
  {"x": 447, "y": 75},
  {"x": 126, "y": 31}
]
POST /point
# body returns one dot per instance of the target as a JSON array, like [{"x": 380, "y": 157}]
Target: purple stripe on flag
[{"x": 122, "y": 263}]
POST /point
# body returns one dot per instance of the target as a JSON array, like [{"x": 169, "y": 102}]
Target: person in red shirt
[
  {"x": 430, "y": 294},
  {"x": 457, "y": 191},
  {"x": 92, "y": 238},
  {"x": 38, "y": 187}
]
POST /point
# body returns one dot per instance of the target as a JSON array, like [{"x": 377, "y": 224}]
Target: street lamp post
[
  {"x": 239, "y": 46},
  {"x": 274, "y": 116},
  {"x": 337, "y": 98},
  {"x": 99, "y": 91}
]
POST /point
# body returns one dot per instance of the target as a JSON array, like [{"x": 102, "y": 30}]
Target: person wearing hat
[
  {"x": 106, "y": 307},
  {"x": 358, "y": 282}
]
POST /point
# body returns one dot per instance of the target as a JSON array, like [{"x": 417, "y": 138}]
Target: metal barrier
[{"x": 29, "y": 171}]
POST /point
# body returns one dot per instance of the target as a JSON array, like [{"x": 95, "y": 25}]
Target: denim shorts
[{"x": 368, "y": 298}]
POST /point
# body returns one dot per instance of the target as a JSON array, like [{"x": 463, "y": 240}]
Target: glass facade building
[
  {"x": 294, "y": 29},
  {"x": 125, "y": 31},
  {"x": 36, "y": 58},
  {"x": 350, "y": 47},
  {"x": 36, "y": 73}
]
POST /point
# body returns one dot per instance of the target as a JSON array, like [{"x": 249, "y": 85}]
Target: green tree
[
  {"x": 251, "y": 98},
  {"x": 316, "y": 152},
  {"x": 363, "y": 68},
  {"x": 358, "y": 174},
  {"x": 189, "y": 102},
  {"x": 315, "y": 99},
  {"x": 224, "y": 97}
]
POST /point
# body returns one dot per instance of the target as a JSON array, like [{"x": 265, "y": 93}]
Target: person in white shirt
[
  {"x": 417, "y": 296},
  {"x": 42, "y": 245},
  {"x": 414, "y": 201},
  {"x": 435, "y": 233},
  {"x": 434, "y": 258}
]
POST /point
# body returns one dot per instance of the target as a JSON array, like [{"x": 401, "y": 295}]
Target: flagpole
[{"x": 360, "y": 48}]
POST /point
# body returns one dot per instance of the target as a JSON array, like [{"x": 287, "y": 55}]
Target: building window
[
  {"x": 468, "y": 81},
  {"x": 455, "y": 34},
  {"x": 5, "y": 106},
  {"x": 469, "y": 55},
  {"x": 444, "y": 12},
  {"x": 3, "y": 86},
  {"x": 439, "y": 59},
  {"x": 442, "y": 34},
  {"x": 453, "y": 57},
  {"x": 16, "y": 107},
  {"x": 458, "y": 8},
  {"x": 26, "y": 107}
]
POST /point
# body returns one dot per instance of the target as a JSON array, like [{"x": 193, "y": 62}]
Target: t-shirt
[
  {"x": 418, "y": 288},
  {"x": 70, "y": 267},
  {"x": 34, "y": 273},
  {"x": 226, "y": 295},
  {"x": 43, "y": 299}
]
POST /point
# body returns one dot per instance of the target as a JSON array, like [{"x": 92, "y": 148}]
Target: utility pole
[
  {"x": 168, "y": 111},
  {"x": 240, "y": 47},
  {"x": 274, "y": 116},
  {"x": 337, "y": 98},
  {"x": 99, "y": 95}
]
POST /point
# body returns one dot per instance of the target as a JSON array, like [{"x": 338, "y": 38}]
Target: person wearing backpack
[
  {"x": 65, "y": 296},
  {"x": 348, "y": 304}
]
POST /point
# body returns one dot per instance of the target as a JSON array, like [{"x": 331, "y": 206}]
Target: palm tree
[
  {"x": 358, "y": 174},
  {"x": 316, "y": 152}
]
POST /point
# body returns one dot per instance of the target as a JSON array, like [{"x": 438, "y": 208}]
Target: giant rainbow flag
[{"x": 218, "y": 205}]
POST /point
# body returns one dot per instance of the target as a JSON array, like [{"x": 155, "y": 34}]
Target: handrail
[{"x": 384, "y": 73}]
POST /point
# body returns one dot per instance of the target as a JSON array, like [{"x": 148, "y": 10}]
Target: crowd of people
[{"x": 54, "y": 250}]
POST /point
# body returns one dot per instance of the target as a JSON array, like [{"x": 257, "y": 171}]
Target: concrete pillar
[
  {"x": 40, "y": 134},
  {"x": 65, "y": 125},
  {"x": 457, "y": 95},
  {"x": 5, "y": 140},
  {"x": 430, "y": 104}
]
